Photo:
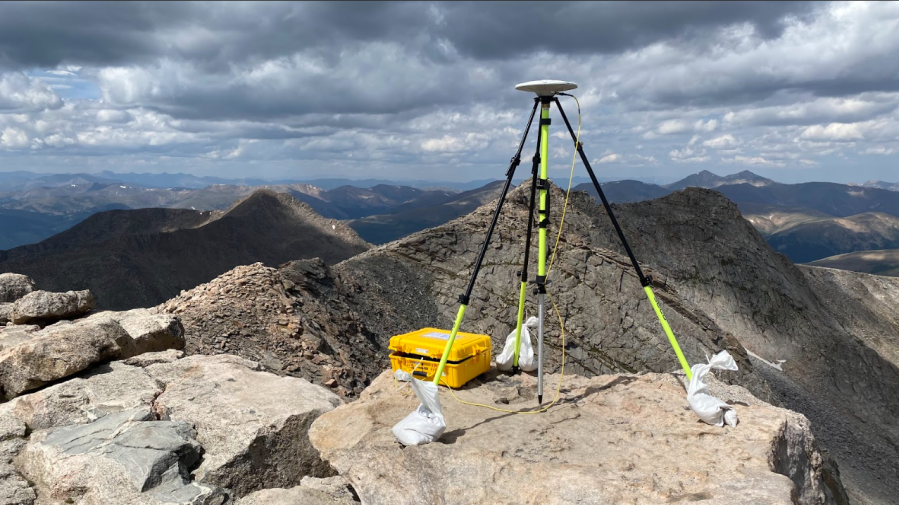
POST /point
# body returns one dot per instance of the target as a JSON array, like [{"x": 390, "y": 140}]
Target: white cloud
[
  {"x": 833, "y": 131},
  {"x": 455, "y": 144},
  {"x": 21, "y": 92},
  {"x": 672, "y": 126},
  {"x": 113, "y": 116},
  {"x": 708, "y": 126},
  {"x": 726, "y": 141},
  {"x": 754, "y": 161},
  {"x": 689, "y": 155},
  {"x": 12, "y": 138},
  {"x": 822, "y": 89},
  {"x": 881, "y": 150}
]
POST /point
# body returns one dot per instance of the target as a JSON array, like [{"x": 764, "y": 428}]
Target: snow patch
[{"x": 778, "y": 366}]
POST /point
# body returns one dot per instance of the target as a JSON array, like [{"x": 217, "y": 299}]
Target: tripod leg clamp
[{"x": 544, "y": 184}]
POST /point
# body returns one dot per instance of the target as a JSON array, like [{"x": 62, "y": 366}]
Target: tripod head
[{"x": 546, "y": 87}]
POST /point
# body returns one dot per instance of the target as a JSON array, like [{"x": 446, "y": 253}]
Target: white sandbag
[
  {"x": 526, "y": 360},
  {"x": 426, "y": 423},
  {"x": 707, "y": 407}
]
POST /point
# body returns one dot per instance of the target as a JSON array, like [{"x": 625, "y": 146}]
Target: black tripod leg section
[
  {"x": 523, "y": 274},
  {"x": 466, "y": 297},
  {"x": 644, "y": 281}
]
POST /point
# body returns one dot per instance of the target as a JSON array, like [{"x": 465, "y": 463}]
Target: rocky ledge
[
  {"x": 31, "y": 357},
  {"x": 624, "y": 439},
  {"x": 158, "y": 429}
]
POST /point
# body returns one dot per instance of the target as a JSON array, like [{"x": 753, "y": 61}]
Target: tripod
[{"x": 546, "y": 96}]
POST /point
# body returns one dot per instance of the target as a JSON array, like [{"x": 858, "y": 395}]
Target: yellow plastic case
[{"x": 419, "y": 353}]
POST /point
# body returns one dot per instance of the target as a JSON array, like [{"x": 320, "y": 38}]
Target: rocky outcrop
[
  {"x": 720, "y": 285},
  {"x": 125, "y": 457},
  {"x": 46, "y": 306},
  {"x": 292, "y": 320},
  {"x": 311, "y": 491},
  {"x": 142, "y": 257},
  {"x": 415, "y": 282},
  {"x": 5, "y": 313},
  {"x": 14, "y": 286},
  {"x": 265, "y": 417},
  {"x": 609, "y": 439},
  {"x": 40, "y": 357},
  {"x": 201, "y": 430},
  {"x": 867, "y": 305},
  {"x": 831, "y": 332}
]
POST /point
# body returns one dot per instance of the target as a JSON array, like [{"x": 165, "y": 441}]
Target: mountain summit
[
  {"x": 708, "y": 180},
  {"x": 135, "y": 258}
]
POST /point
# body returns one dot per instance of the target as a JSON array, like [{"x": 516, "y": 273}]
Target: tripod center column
[{"x": 544, "y": 187}]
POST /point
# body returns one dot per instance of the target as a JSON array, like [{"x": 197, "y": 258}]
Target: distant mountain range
[
  {"x": 882, "y": 262},
  {"x": 139, "y": 258},
  {"x": 36, "y": 213},
  {"x": 892, "y": 186},
  {"x": 806, "y": 222},
  {"x": 19, "y": 180},
  {"x": 383, "y": 228}
]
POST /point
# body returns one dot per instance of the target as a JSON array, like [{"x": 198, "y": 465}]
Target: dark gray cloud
[
  {"x": 500, "y": 30},
  {"x": 47, "y": 34},
  {"x": 405, "y": 87}
]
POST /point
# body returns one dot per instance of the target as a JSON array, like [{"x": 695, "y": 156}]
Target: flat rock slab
[
  {"x": 623, "y": 439},
  {"x": 37, "y": 358},
  {"x": 126, "y": 457},
  {"x": 311, "y": 491},
  {"x": 11, "y": 336},
  {"x": 293, "y": 496},
  {"x": 49, "y": 306},
  {"x": 103, "y": 390},
  {"x": 252, "y": 425},
  {"x": 14, "y": 286}
]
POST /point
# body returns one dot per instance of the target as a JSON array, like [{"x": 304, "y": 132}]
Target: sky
[{"x": 794, "y": 91}]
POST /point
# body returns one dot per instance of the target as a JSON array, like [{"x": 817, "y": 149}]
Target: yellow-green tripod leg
[
  {"x": 449, "y": 344},
  {"x": 524, "y": 287},
  {"x": 466, "y": 297},
  {"x": 644, "y": 281},
  {"x": 671, "y": 339}
]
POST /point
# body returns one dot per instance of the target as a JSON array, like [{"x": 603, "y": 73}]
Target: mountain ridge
[{"x": 159, "y": 252}]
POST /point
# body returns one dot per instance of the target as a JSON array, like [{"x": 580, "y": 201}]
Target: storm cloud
[{"x": 416, "y": 90}]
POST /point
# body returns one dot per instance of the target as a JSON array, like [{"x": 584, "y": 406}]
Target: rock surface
[
  {"x": 292, "y": 320},
  {"x": 311, "y": 491},
  {"x": 833, "y": 333},
  {"x": 125, "y": 457},
  {"x": 66, "y": 348},
  {"x": 720, "y": 285},
  {"x": 14, "y": 286},
  {"x": 47, "y": 306},
  {"x": 5, "y": 313},
  {"x": 626, "y": 439},
  {"x": 199, "y": 430},
  {"x": 252, "y": 424}
]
